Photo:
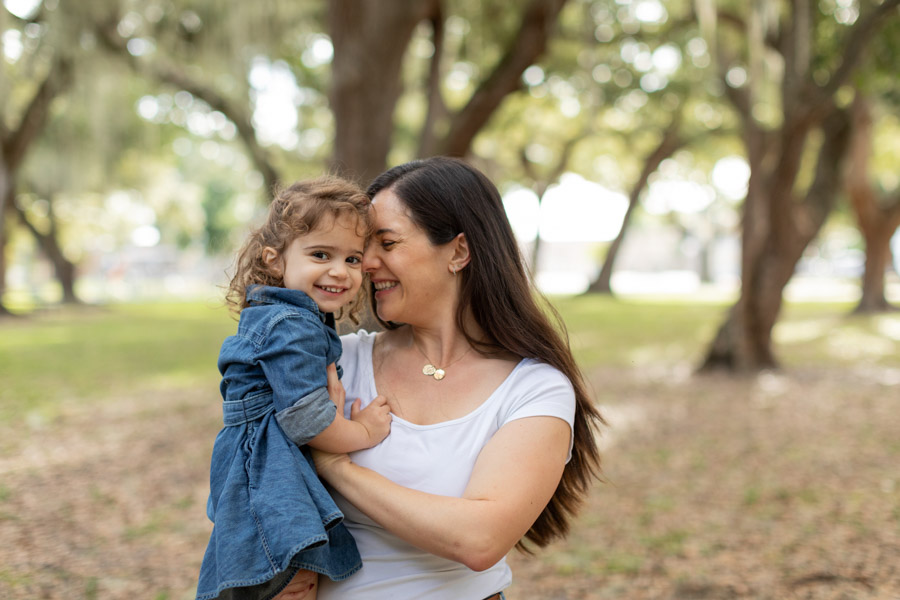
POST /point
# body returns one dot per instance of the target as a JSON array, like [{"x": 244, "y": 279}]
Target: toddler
[{"x": 274, "y": 522}]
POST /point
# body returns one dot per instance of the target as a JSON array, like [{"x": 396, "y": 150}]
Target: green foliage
[{"x": 218, "y": 224}]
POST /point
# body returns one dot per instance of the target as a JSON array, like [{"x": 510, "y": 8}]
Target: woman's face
[{"x": 411, "y": 276}]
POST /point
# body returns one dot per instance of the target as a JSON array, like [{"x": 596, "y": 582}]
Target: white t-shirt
[{"x": 437, "y": 459}]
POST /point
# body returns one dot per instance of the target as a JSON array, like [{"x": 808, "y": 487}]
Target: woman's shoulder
[
  {"x": 530, "y": 372},
  {"x": 533, "y": 386},
  {"x": 356, "y": 362},
  {"x": 356, "y": 350},
  {"x": 358, "y": 340}
]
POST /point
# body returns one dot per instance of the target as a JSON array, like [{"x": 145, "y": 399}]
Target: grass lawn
[
  {"x": 81, "y": 356},
  {"x": 779, "y": 485}
]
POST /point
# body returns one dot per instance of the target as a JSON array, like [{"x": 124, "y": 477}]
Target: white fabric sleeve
[{"x": 541, "y": 391}]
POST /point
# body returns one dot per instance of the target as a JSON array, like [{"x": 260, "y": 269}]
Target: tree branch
[
  {"x": 16, "y": 145},
  {"x": 822, "y": 193},
  {"x": 558, "y": 168},
  {"x": 855, "y": 43},
  {"x": 796, "y": 53},
  {"x": 539, "y": 18},
  {"x": 670, "y": 142},
  {"x": 436, "y": 107},
  {"x": 892, "y": 211},
  {"x": 171, "y": 75},
  {"x": 859, "y": 187}
]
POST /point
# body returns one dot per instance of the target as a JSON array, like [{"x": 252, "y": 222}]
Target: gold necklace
[{"x": 437, "y": 372}]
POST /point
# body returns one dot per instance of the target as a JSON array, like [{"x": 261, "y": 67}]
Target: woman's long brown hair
[{"x": 445, "y": 197}]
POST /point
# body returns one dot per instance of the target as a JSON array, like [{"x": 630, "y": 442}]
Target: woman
[{"x": 492, "y": 436}]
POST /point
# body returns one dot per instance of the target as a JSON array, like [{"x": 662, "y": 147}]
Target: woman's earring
[{"x": 453, "y": 270}]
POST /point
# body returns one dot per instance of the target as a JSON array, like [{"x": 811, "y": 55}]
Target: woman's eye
[{"x": 386, "y": 244}]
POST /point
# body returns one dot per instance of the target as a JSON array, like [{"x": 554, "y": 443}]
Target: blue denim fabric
[
  {"x": 282, "y": 346},
  {"x": 271, "y": 513}
]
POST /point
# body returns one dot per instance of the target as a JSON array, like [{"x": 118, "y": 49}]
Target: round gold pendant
[
  {"x": 438, "y": 374},
  {"x": 430, "y": 370}
]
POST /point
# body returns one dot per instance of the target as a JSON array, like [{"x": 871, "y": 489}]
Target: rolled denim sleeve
[
  {"x": 308, "y": 417},
  {"x": 294, "y": 357}
]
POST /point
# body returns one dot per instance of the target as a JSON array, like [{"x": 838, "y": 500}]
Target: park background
[{"x": 708, "y": 192}]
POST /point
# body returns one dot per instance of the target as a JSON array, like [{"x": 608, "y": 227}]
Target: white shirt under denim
[{"x": 437, "y": 459}]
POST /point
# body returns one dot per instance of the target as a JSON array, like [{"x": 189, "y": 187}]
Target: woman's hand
[{"x": 302, "y": 587}]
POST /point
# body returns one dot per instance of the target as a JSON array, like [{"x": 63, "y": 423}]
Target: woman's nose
[{"x": 370, "y": 260}]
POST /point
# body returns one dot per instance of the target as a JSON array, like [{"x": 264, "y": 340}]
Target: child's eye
[
  {"x": 354, "y": 260},
  {"x": 320, "y": 255}
]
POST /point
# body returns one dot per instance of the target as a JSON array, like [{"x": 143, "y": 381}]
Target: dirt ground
[{"x": 783, "y": 485}]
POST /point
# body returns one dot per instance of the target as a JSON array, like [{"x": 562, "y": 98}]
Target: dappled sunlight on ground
[
  {"x": 888, "y": 326},
  {"x": 778, "y": 485},
  {"x": 782, "y": 485},
  {"x": 848, "y": 339},
  {"x": 855, "y": 344},
  {"x": 802, "y": 331},
  {"x": 885, "y": 376}
]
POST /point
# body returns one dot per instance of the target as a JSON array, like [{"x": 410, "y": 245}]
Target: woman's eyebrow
[{"x": 384, "y": 230}]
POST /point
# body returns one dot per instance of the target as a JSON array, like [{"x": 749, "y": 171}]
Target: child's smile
[{"x": 326, "y": 263}]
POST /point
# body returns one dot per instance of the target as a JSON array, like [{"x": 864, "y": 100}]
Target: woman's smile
[{"x": 383, "y": 286}]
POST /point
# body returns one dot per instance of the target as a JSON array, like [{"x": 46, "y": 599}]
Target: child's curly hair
[{"x": 296, "y": 211}]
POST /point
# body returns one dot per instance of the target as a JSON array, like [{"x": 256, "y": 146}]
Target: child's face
[{"x": 326, "y": 263}]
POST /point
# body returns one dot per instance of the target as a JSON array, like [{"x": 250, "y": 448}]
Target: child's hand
[{"x": 376, "y": 418}]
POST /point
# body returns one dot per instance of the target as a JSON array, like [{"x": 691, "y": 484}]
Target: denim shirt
[{"x": 282, "y": 347}]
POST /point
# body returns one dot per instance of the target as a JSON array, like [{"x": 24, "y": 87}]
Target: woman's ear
[
  {"x": 461, "y": 256},
  {"x": 270, "y": 258}
]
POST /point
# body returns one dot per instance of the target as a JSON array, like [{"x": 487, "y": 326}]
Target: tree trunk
[
  {"x": 878, "y": 257},
  {"x": 670, "y": 142},
  {"x": 603, "y": 283},
  {"x": 15, "y": 144},
  {"x": 540, "y": 185},
  {"x": 777, "y": 226},
  {"x": 770, "y": 253},
  {"x": 536, "y": 252},
  {"x": 5, "y": 188},
  {"x": 744, "y": 341},
  {"x": 877, "y": 218},
  {"x": 63, "y": 268},
  {"x": 370, "y": 39},
  {"x": 4, "y": 205}
]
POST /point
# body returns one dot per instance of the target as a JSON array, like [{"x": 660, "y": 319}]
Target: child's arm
[{"x": 364, "y": 429}]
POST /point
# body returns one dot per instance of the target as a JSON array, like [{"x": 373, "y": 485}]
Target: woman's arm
[{"x": 514, "y": 477}]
